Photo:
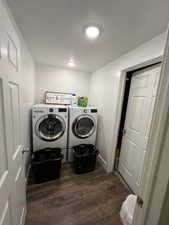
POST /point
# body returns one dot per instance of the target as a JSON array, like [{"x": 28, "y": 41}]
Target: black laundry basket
[
  {"x": 46, "y": 164},
  {"x": 84, "y": 158}
]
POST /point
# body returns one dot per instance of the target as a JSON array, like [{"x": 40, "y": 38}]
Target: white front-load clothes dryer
[
  {"x": 50, "y": 126},
  {"x": 82, "y": 127}
]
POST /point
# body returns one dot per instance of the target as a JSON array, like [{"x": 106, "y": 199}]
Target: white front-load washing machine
[
  {"x": 50, "y": 126},
  {"x": 82, "y": 127}
]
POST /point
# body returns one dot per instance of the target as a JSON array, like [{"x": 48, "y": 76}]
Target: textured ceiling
[{"x": 54, "y": 29}]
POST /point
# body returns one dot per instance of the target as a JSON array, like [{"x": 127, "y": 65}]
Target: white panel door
[
  {"x": 137, "y": 124},
  {"x": 12, "y": 180}
]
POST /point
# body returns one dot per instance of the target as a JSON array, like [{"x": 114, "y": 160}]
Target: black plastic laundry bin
[
  {"x": 84, "y": 158},
  {"x": 46, "y": 164}
]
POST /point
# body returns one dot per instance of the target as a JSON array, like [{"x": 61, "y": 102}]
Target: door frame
[
  {"x": 151, "y": 180},
  {"x": 144, "y": 71},
  {"x": 156, "y": 175},
  {"x": 122, "y": 84},
  {"x": 139, "y": 215}
]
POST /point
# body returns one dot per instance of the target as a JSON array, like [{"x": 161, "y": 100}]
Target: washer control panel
[
  {"x": 56, "y": 110},
  {"x": 51, "y": 110}
]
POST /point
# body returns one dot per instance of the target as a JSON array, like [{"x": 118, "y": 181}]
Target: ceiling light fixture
[
  {"x": 71, "y": 63},
  {"x": 92, "y": 32}
]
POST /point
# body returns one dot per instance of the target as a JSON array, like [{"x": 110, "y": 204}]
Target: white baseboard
[{"x": 102, "y": 162}]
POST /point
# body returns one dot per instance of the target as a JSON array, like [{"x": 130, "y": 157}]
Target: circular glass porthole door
[
  {"x": 50, "y": 127},
  {"x": 83, "y": 126}
]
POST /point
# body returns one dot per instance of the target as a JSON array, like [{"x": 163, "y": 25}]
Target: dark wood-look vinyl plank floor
[{"x": 93, "y": 198}]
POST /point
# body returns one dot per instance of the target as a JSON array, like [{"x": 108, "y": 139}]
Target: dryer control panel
[
  {"x": 85, "y": 110},
  {"x": 90, "y": 110}
]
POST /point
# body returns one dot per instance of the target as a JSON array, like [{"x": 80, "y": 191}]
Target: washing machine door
[
  {"x": 83, "y": 126},
  {"x": 50, "y": 127}
]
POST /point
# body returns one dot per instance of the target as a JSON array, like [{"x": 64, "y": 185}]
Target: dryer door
[
  {"x": 83, "y": 126},
  {"x": 50, "y": 127}
]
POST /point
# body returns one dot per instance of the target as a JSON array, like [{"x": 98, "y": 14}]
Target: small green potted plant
[{"x": 82, "y": 101}]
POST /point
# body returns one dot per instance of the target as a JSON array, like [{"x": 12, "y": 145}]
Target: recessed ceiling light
[
  {"x": 71, "y": 63},
  {"x": 92, "y": 32}
]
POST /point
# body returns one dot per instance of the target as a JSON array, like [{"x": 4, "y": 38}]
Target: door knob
[
  {"x": 140, "y": 201},
  {"x": 124, "y": 131},
  {"x": 25, "y": 150}
]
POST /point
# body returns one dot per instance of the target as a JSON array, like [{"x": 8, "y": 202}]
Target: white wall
[
  {"x": 51, "y": 78},
  {"x": 104, "y": 91},
  {"x": 27, "y": 74}
]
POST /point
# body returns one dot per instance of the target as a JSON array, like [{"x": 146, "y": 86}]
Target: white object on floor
[{"x": 127, "y": 209}]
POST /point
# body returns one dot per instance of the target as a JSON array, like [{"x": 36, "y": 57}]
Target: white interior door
[
  {"x": 12, "y": 180},
  {"x": 137, "y": 124}
]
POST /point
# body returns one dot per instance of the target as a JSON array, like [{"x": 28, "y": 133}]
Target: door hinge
[{"x": 140, "y": 201}]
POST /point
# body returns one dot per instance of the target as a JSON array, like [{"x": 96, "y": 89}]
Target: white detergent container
[
  {"x": 74, "y": 100},
  {"x": 127, "y": 210}
]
